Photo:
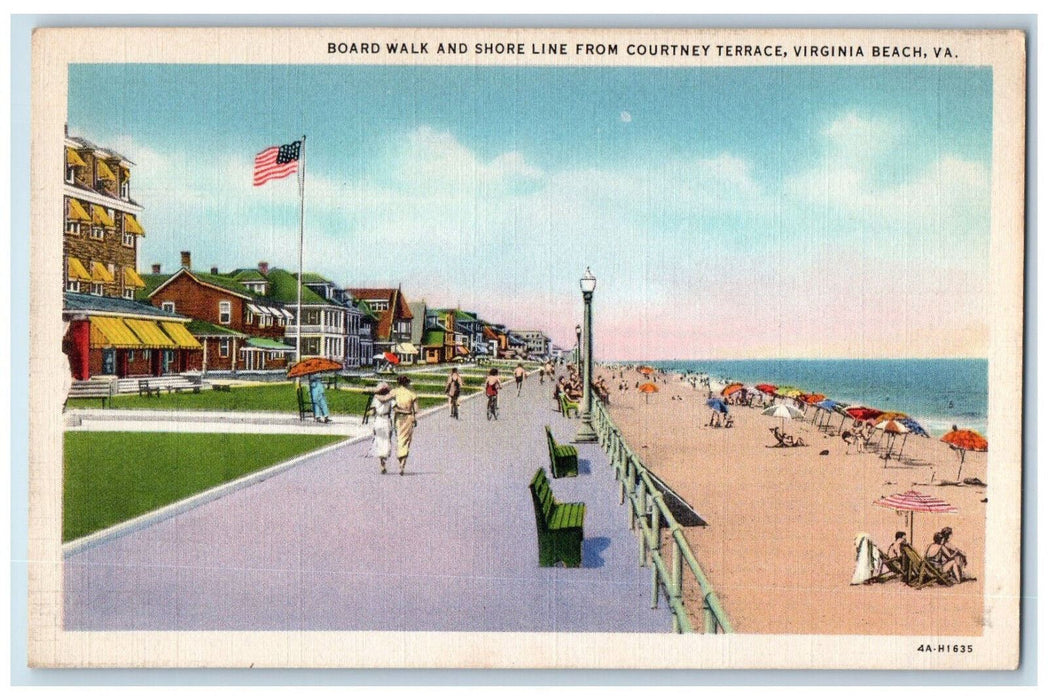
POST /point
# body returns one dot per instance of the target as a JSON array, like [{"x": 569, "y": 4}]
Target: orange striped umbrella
[{"x": 313, "y": 365}]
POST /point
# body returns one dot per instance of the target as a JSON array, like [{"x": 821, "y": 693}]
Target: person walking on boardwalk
[
  {"x": 548, "y": 367},
  {"x": 492, "y": 385},
  {"x": 406, "y": 411},
  {"x": 321, "y": 414},
  {"x": 453, "y": 388},
  {"x": 382, "y": 407},
  {"x": 518, "y": 377}
]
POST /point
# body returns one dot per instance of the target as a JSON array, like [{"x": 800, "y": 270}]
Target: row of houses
[{"x": 125, "y": 323}]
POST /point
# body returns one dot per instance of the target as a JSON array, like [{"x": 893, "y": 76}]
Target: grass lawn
[
  {"x": 113, "y": 477},
  {"x": 267, "y": 397}
]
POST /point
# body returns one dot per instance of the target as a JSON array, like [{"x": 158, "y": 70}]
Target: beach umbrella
[
  {"x": 914, "y": 502},
  {"x": 644, "y": 369},
  {"x": 827, "y": 406},
  {"x": 914, "y": 426},
  {"x": 647, "y": 388},
  {"x": 863, "y": 412},
  {"x": 790, "y": 392},
  {"x": 391, "y": 358},
  {"x": 731, "y": 389},
  {"x": 313, "y": 365},
  {"x": 964, "y": 440},
  {"x": 893, "y": 429},
  {"x": 781, "y": 410},
  {"x": 891, "y": 415},
  {"x": 766, "y": 388},
  {"x": 812, "y": 399},
  {"x": 717, "y": 405}
]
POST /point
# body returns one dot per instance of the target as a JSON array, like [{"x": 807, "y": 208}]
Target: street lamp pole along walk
[{"x": 586, "y": 433}]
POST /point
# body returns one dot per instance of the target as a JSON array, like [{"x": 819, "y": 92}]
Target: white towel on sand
[{"x": 867, "y": 559}]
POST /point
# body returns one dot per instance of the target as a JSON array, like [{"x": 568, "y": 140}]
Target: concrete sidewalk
[
  {"x": 262, "y": 422},
  {"x": 333, "y": 545}
]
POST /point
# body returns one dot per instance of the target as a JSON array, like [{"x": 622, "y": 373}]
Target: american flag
[{"x": 276, "y": 162}]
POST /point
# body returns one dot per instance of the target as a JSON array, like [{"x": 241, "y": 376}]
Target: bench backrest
[
  {"x": 542, "y": 498},
  {"x": 552, "y": 445}
]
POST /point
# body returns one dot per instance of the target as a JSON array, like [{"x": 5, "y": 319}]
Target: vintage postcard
[{"x": 529, "y": 348}]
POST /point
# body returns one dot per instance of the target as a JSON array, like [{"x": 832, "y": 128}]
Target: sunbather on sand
[
  {"x": 952, "y": 555},
  {"x": 950, "y": 566}
]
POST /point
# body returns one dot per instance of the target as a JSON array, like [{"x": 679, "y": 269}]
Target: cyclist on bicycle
[{"x": 491, "y": 390}]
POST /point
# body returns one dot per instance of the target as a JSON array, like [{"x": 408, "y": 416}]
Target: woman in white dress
[{"x": 382, "y": 405}]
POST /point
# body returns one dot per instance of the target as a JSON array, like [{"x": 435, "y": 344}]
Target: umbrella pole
[
  {"x": 911, "y": 528},
  {"x": 961, "y": 466}
]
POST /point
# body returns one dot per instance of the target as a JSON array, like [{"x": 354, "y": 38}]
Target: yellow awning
[
  {"x": 104, "y": 172},
  {"x": 100, "y": 216},
  {"x": 99, "y": 273},
  {"x": 77, "y": 271},
  {"x": 131, "y": 225},
  {"x": 77, "y": 211},
  {"x": 150, "y": 333},
  {"x": 73, "y": 158},
  {"x": 112, "y": 333},
  {"x": 131, "y": 278},
  {"x": 180, "y": 334}
]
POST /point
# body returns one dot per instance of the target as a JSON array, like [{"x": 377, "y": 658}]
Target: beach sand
[{"x": 779, "y": 548}]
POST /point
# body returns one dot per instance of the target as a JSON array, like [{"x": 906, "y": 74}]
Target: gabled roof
[
  {"x": 247, "y": 274},
  {"x": 152, "y": 282},
  {"x": 398, "y": 307},
  {"x": 314, "y": 278},
  {"x": 87, "y": 303},
  {"x": 220, "y": 282},
  {"x": 367, "y": 310},
  {"x": 283, "y": 287}
]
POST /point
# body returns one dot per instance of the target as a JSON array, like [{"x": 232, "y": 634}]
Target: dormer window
[
  {"x": 70, "y": 174},
  {"x": 125, "y": 188}
]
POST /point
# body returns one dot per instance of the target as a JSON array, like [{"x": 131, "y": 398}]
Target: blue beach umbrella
[
  {"x": 914, "y": 426},
  {"x": 717, "y": 405}
]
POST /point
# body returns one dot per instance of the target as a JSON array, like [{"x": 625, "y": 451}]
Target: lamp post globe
[{"x": 586, "y": 433}]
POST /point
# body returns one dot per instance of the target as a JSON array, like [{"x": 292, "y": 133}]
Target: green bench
[
  {"x": 563, "y": 459},
  {"x": 567, "y": 406},
  {"x": 559, "y": 525}
]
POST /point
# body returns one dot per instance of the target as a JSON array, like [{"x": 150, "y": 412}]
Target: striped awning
[
  {"x": 150, "y": 333},
  {"x": 101, "y": 217},
  {"x": 405, "y": 349},
  {"x": 73, "y": 158},
  {"x": 131, "y": 278},
  {"x": 76, "y": 270},
  {"x": 109, "y": 332},
  {"x": 254, "y": 309},
  {"x": 131, "y": 225},
  {"x": 77, "y": 212},
  {"x": 100, "y": 273},
  {"x": 104, "y": 171},
  {"x": 290, "y": 316},
  {"x": 181, "y": 335}
]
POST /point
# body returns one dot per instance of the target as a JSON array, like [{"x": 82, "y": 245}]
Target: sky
[{"x": 727, "y": 213}]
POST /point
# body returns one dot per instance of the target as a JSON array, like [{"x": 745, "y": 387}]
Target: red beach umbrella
[
  {"x": 391, "y": 358},
  {"x": 766, "y": 388},
  {"x": 863, "y": 412},
  {"x": 915, "y": 502},
  {"x": 964, "y": 440}
]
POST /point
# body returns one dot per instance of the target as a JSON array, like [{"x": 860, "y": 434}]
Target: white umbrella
[{"x": 781, "y": 410}]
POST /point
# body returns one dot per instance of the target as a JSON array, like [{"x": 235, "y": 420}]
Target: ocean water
[{"x": 937, "y": 393}]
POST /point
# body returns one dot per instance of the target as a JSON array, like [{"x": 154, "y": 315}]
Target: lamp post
[
  {"x": 578, "y": 349},
  {"x": 586, "y": 433}
]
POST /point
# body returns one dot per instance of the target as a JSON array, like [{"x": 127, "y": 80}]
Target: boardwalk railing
[{"x": 648, "y": 511}]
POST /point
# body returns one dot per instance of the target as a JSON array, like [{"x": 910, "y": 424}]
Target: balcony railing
[{"x": 292, "y": 329}]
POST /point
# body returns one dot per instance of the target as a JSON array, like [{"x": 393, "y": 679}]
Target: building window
[
  {"x": 98, "y": 232},
  {"x": 129, "y": 239},
  {"x": 129, "y": 293},
  {"x": 223, "y": 347},
  {"x": 96, "y": 288},
  {"x": 147, "y": 355},
  {"x": 225, "y": 312},
  {"x": 130, "y": 355},
  {"x": 378, "y": 305},
  {"x": 72, "y": 285},
  {"x": 71, "y": 174},
  {"x": 73, "y": 227},
  {"x": 168, "y": 306},
  {"x": 249, "y": 317},
  {"x": 125, "y": 188}
]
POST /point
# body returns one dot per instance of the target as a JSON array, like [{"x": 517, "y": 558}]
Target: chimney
[
  {"x": 156, "y": 268},
  {"x": 214, "y": 270},
  {"x": 186, "y": 260},
  {"x": 263, "y": 267}
]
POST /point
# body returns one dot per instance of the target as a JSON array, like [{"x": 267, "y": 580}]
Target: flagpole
[{"x": 301, "y": 244}]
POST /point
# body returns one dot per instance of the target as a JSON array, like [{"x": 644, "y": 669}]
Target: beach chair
[
  {"x": 305, "y": 402},
  {"x": 920, "y": 572},
  {"x": 896, "y": 568}
]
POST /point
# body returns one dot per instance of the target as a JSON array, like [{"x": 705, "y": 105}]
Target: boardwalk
[{"x": 333, "y": 545}]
